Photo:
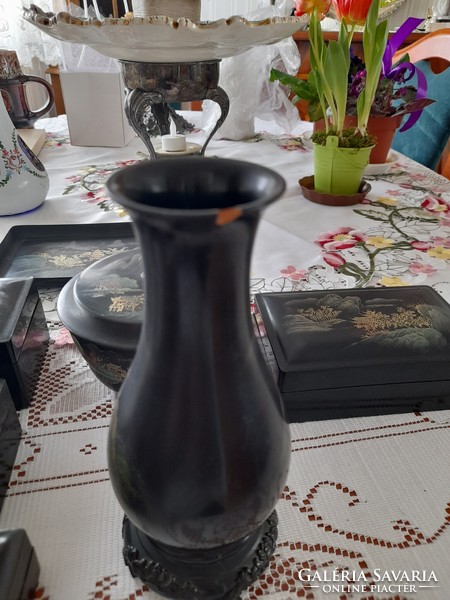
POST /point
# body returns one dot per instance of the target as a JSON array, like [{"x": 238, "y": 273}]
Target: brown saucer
[{"x": 307, "y": 185}]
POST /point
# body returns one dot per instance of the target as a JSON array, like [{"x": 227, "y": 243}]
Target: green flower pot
[{"x": 339, "y": 170}]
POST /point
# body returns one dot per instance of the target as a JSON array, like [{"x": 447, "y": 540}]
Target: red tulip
[
  {"x": 352, "y": 12},
  {"x": 306, "y": 7}
]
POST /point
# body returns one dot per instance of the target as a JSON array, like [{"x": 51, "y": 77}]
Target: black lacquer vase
[{"x": 198, "y": 446}]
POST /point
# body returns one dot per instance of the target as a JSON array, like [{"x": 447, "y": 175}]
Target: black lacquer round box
[{"x": 102, "y": 307}]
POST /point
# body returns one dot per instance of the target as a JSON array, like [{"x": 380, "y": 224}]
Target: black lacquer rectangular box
[
  {"x": 357, "y": 352},
  {"x": 23, "y": 337},
  {"x": 10, "y": 434},
  {"x": 19, "y": 566}
]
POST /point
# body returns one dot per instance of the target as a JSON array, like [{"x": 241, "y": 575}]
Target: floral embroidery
[
  {"x": 291, "y": 272},
  {"x": 90, "y": 181},
  {"x": 286, "y": 142},
  {"x": 418, "y": 267},
  {"x": 392, "y": 282},
  {"x": 439, "y": 252},
  {"x": 403, "y": 243},
  {"x": 435, "y": 204},
  {"x": 379, "y": 242},
  {"x": 57, "y": 139},
  {"x": 333, "y": 259},
  {"x": 340, "y": 239},
  {"x": 387, "y": 201}
]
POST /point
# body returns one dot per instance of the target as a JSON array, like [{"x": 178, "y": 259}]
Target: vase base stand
[{"x": 219, "y": 573}]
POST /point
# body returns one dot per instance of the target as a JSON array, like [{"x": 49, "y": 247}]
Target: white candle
[{"x": 174, "y": 142}]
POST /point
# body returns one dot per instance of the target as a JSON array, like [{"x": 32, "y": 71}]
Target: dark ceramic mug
[
  {"x": 12, "y": 87},
  {"x": 15, "y": 98}
]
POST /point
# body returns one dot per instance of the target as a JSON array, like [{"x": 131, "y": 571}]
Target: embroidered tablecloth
[{"x": 367, "y": 501}]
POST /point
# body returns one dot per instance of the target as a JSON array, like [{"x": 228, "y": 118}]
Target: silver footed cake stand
[{"x": 166, "y": 61}]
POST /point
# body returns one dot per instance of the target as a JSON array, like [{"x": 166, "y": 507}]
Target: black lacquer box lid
[
  {"x": 15, "y": 316},
  {"x": 105, "y": 303},
  {"x": 358, "y": 345}
]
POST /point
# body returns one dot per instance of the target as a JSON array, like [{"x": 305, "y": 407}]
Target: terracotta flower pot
[
  {"x": 169, "y": 8},
  {"x": 383, "y": 128},
  {"x": 318, "y": 125}
]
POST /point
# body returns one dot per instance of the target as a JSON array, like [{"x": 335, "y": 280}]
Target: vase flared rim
[{"x": 195, "y": 169}]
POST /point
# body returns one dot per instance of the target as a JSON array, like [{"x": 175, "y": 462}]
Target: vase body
[
  {"x": 23, "y": 179},
  {"x": 338, "y": 170},
  {"x": 169, "y": 8},
  {"x": 383, "y": 128},
  {"x": 198, "y": 445}
]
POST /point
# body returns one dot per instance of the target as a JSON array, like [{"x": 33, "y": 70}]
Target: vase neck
[{"x": 193, "y": 276}]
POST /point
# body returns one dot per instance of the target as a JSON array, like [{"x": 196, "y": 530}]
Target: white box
[{"x": 95, "y": 109}]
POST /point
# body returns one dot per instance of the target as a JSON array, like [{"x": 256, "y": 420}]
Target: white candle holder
[{"x": 190, "y": 150}]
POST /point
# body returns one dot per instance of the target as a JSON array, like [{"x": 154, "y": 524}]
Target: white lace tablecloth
[{"x": 368, "y": 496}]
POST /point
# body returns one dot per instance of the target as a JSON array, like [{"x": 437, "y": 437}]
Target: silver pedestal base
[{"x": 154, "y": 87}]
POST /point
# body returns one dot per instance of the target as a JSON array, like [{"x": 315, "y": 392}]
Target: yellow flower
[
  {"x": 439, "y": 252},
  {"x": 392, "y": 281},
  {"x": 379, "y": 242},
  {"x": 387, "y": 201}
]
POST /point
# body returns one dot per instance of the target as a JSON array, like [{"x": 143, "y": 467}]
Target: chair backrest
[
  {"x": 426, "y": 140},
  {"x": 432, "y": 45}
]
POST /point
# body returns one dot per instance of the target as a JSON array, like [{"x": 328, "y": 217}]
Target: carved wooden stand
[{"x": 202, "y": 574}]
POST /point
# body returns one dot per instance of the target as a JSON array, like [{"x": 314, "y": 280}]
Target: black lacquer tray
[{"x": 56, "y": 253}]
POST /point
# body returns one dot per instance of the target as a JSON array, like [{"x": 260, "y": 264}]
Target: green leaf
[
  {"x": 335, "y": 72},
  {"x": 300, "y": 88},
  {"x": 344, "y": 42},
  {"x": 374, "y": 44},
  {"x": 315, "y": 111},
  {"x": 69, "y": 189},
  {"x": 371, "y": 214}
]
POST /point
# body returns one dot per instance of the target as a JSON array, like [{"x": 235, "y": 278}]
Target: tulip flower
[
  {"x": 352, "y": 12},
  {"x": 306, "y": 7}
]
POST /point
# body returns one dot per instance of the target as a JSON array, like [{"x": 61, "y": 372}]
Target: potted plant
[
  {"x": 364, "y": 102},
  {"x": 342, "y": 153},
  {"x": 395, "y": 96}
]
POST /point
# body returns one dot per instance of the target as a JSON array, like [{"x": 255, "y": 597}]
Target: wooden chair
[
  {"x": 434, "y": 47},
  {"x": 428, "y": 140}
]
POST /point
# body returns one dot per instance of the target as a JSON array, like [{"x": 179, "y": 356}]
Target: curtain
[
  {"x": 214, "y": 9},
  {"x": 26, "y": 39},
  {"x": 411, "y": 8}
]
